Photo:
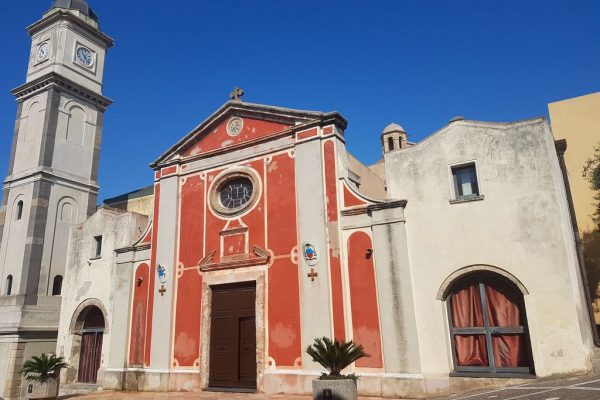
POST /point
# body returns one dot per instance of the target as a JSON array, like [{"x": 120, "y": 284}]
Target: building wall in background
[{"x": 578, "y": 121}]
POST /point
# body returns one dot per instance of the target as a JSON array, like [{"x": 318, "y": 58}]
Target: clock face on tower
[
  {"x": 42, "y": 51},
  {"x": 84, "y": 56}
]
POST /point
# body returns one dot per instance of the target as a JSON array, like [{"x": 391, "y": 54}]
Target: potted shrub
[
  {"x": 43, "y": 374},
  {"x": 334, "y": 356}
]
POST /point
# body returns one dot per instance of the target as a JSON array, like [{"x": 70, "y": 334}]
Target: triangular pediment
[{"x": 237, "y": 124}]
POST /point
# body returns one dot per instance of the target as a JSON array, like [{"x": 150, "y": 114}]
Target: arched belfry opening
[{"x": 88, "y": 336}]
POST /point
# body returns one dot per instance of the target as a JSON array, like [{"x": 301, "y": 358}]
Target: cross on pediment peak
[{"x": 236, "y": 94}]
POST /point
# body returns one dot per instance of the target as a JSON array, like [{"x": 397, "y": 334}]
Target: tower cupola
[
  {"x": 80, "y": 5},
  {"x": 393, "y": 137}
]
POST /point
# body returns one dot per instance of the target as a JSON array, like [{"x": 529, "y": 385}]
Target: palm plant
[
  {"x": 43, "y": 368},
  {"x": 334, "y": 355}
]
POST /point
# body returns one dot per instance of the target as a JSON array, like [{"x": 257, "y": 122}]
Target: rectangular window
[
  {"x": 97, "y": 246},
  {"x": 465, "y": 181}
]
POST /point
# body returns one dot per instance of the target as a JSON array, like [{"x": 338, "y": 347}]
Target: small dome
[
  {"x": 80, "y": 5},
  {"x": 393, "y": 128}
]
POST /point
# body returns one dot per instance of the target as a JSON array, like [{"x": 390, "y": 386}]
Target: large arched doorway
[
  {"x": 488, "y": 326},
  {"x": 92, "y": 331}
]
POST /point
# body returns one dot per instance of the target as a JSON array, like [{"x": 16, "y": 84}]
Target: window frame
[
  {"x": 97, "y": 247},
  {"x": 8, "y": 282},
  {"x": 221, "y": 179},
  {"x": 454, "y": 196},
  {"x": 19, "y": 210},
  {"x": 481, "y": 280},
  {"x": 54, "y": 281}
]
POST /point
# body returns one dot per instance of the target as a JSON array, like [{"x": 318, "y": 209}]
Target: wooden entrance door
[
  {"x": 233, "y": 336},
  {"x": 91, "y": 351}
]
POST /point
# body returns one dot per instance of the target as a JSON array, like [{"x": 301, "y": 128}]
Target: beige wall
[
  {"x": 578, "y": 121},
  {"x": 141, "y": 205},
  {"x": 371, "y": 184}
]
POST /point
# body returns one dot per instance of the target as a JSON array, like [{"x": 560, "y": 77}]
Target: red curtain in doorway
[
  {"x": 471, "y": 350},
  {"x": 90, "y": 357},
  {"x": 503, "y": 311}
]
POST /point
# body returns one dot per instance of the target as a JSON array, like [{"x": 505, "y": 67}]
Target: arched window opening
[
  {"x": 390, "y": 141},
  {"x": 8, "y": 287},
  {"x": 20, "y": 209},
  {"x": 57, "y": 285},
  {"x": 488, "y": 326}
]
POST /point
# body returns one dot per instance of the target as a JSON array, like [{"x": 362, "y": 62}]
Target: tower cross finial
[{"x": 236, "y": 94}]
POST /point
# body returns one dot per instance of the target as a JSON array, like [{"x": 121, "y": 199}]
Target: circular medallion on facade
[
  {"x": 234, "y": 126},
  {"x": 163, "y": 275},
  {"x": 311, "y": 256}
]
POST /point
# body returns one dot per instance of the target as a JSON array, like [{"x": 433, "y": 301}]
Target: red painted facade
[
  {"x": 218, "y": 139},
  {"x": 139, "y": 314},
  {"x": 265, "y": 235},
  {"x": 335, "y": 265},
  {"x": 363, "y": 294}
]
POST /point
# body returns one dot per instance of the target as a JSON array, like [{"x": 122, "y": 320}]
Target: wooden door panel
[
  {"x": 247, "y": 350},
  {"x": 233, "y": 337},
  {"x": 222, "y": 351}
]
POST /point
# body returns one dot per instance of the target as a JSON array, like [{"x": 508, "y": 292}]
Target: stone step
[
  {"x": 78, "y": 388},
  {"x": 596, "y": 360}
]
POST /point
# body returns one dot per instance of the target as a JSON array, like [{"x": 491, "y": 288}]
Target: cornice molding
[
  {"x": 139, "y": 247},
  {"x": 63, "y": 15},
  {"x": 61, "y": 83},
  {"x": 50, "y": 175},
  {"x": 374, "y": 207}
]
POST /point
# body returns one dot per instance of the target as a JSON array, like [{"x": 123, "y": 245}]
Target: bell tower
[
  {"x": 51, "y": 182},
  {"x": 393, "y": 137}
]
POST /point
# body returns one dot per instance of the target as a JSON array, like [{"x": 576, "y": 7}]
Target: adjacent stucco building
[{"x": 578, "y": 121}]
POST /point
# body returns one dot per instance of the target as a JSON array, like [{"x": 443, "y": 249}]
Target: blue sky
[{"x": 416, "y": 63}]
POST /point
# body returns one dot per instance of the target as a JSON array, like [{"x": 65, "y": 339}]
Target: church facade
[{"x": 452, "y": 261}]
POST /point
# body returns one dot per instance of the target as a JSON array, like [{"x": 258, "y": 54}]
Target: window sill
[
  {"x": 95, "y": 258},
  {"x": 467, "y": 199}
]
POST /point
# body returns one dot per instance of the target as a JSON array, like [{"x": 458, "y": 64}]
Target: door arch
[
  {"x": 90, "y": 325},
  {"x": 488, "y": 325}
]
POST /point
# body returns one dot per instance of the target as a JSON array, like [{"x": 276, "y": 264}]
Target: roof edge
[{"x": 277, "y": 113}]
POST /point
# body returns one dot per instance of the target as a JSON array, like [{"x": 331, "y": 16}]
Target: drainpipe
[{"x": 561, "y": 147}]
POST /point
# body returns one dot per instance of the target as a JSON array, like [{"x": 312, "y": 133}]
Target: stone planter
[
  {"x": 340, "y": 389},
  {"x": 37, "y": 390}
]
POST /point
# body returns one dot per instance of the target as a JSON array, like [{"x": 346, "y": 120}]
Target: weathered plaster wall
[
  {"x": 97, "y": 281},
  {"x": 521, "y": 226}
]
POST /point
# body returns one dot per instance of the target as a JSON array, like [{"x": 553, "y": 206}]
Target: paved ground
[{"x": 575, "y": 388}]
